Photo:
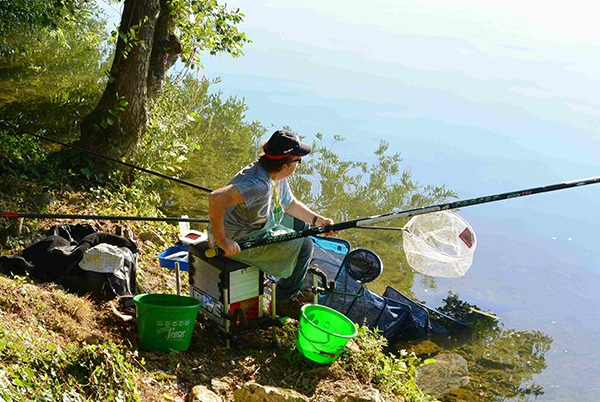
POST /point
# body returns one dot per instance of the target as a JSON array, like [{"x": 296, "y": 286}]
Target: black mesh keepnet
[{"x": 397, "y": 316}]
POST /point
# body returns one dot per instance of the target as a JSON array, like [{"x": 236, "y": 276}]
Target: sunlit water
[{"x": 536, "y": 264}]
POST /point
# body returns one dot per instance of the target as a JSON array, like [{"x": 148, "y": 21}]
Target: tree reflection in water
[{"x": 501, "y": 361}]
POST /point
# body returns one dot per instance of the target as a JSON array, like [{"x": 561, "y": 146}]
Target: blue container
[{"x": 177, "y": 253}]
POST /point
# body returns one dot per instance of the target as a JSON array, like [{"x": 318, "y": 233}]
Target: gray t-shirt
[{"x": 256, "y": 187}]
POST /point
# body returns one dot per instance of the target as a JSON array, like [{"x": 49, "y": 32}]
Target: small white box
[{"x": 193, "y": 237}]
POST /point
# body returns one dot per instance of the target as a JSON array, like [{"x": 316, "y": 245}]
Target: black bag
[{"x": 56, "y": 258}]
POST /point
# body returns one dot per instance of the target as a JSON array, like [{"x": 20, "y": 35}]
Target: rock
[
  {"x": 252, "y": 392},
  {"x": 362, "y": 395},
  {"x": 220, "y": 386},
  {"x": 152, "y": 237},
  {"x": 448, "y": 373},
  {"x": 200, "y": 393},
  {"x": 426, "y": 348}
]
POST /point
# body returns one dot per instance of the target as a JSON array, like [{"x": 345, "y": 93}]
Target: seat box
[{"x": 224, "y": 285}]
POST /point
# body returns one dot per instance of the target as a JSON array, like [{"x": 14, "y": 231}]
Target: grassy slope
[{"x": 38, "y": 318}]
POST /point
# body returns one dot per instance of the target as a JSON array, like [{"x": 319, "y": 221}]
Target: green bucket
[
  {"x": 166, "y": 321},
  {"x": 323, "y": 333}
]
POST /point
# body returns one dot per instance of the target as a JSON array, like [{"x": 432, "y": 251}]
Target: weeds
[
  {"x": 42, "y": 355},
  {"x": 369, "y": 364},
  {"x": 86, "y": 373}
]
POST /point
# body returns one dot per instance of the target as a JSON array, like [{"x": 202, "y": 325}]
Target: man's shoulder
[
  {"x": 252, "y": 178},
  {"x": 252, "y": 172}
]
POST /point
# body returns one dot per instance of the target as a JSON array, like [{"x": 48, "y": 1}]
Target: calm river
[
  {"x": 537, "y": 262},
  {"x": 482, "y": 100}
]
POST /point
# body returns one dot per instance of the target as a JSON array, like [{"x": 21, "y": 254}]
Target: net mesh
[
  {"x": 396, "y": 315},
  {"x": 439, "y": 244}
]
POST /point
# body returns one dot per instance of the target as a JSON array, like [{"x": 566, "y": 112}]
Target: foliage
[
  {"x": 46, "y": 352},
  {"x": 92, "y": 372},
  {"x": 204, "y": 25},
  {"x": 173, "y": 124},
  {"x": 18, "y": 153},
  {"x": 50, "y": 79},
  {"x": 20, "y": 161},
  {"x": 200, "y": 137},
  {"x": 26, "y": 15},
  {"x": 161, "y": 33},
  {"x": 390, "y": 373}
]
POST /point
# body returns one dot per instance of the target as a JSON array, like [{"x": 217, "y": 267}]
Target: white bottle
[{"x": 184, "y": 227}]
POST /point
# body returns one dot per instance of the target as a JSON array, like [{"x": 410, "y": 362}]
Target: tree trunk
[
  {"x": 109, "y": 130},
  {"x": 166, "y": 46}
]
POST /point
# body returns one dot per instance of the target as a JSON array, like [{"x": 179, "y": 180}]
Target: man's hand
[
  {"x": 321, "y": 221},
  {"x": 230, "y": 247}
]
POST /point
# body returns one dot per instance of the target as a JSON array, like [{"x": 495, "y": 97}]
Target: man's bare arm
[{"x": 218, "y": 201}]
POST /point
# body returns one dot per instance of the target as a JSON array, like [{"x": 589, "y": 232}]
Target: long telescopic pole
[
  {"x": 362, "y": 222},
  {"x": 164, "y": 176},
  {"x": 8, "y": 214}
]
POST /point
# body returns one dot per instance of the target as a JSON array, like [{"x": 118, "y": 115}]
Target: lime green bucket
[
  {"x": 166, "y": 321},
  {"x": 323, "y": 333}
]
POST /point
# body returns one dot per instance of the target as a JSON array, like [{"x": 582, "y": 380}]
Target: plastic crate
[{"x": 177, "y": 253}]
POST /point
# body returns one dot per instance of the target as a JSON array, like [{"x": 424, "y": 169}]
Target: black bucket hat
[{"x": 285, "y": 143}]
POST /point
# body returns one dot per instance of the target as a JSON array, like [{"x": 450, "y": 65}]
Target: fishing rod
[
  {"x": 362, "y": 222},
  {"x": 164, "y": 176},
  {"x": 8, "y": 214}
]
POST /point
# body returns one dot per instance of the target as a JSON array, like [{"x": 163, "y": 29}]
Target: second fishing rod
[{"x": 96, "y": 154}]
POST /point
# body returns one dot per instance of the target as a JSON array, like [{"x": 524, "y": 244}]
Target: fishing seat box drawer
[{"x": 224, "y": 284}]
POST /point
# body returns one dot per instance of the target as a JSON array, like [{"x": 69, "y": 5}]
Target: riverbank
[{"x": 56, "y": 343}]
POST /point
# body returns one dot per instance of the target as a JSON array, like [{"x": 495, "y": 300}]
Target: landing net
[{"x": 439, "y": 244}]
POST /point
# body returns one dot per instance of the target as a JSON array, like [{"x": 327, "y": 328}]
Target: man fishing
[{"x": 258, "y": 203}]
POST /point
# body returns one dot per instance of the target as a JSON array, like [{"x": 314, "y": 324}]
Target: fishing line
[{"x": 186, "y": 183}]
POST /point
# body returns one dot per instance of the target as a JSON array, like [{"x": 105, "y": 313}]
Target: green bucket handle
[
  {"x": 312, "y": 342},
  {"x": 141, "y": 313},
  {"x": 339, "y": 349}
]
